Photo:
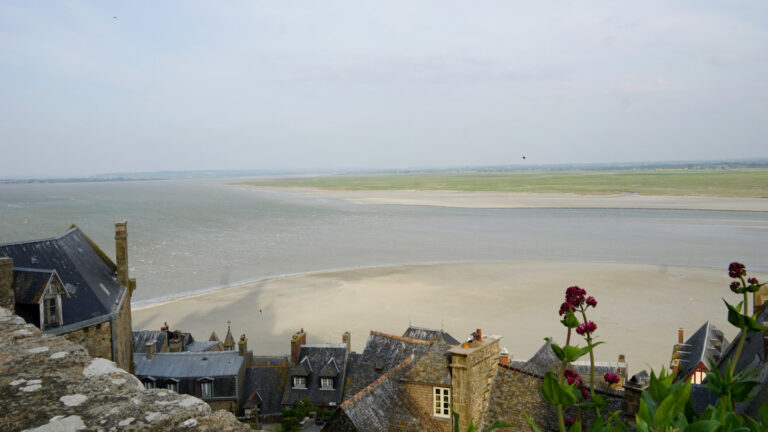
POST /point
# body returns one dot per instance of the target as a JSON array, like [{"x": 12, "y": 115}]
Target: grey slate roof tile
[
  {"x": 313, "y": 359},
  {"x": 708, "y": 342},
  {"x": 427, "y": 334},
  {"x": 188, "y": 364},
  {"x": 264, "y": 383},
  {"x": 141, "y": 337}
]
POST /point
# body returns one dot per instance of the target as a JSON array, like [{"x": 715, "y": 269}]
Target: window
[
  {"x": 206, "y": 389},
  {"x": 300, "y": 382},
  {"x": 326, "y": 383},
  {"x": 442, "y": 399},
  {"x": 172, "y": 385},
  {"x": 698, "y": 376},
  {"x": 148, "y": 384},
  {"x": 51, "y": 316}
]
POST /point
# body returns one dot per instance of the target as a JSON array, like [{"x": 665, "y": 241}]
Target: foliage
[
  {"x": 292, "y": 417},
  {"x": 666, "y": 404}
]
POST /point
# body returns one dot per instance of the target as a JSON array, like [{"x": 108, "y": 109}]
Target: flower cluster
[
  {"x": 573, "y": 377},
  {"x": 753, "y": 281},
  {"x": 611, "y": 378},
  {"x": 737, "y": 270},
  {"x": 575, "y": 298},
  {"x": 587, "y": 327},
  {"x": 569, "y": 421}
]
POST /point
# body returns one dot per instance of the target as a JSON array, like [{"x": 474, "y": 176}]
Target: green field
[{"x": 731, "y": 182}]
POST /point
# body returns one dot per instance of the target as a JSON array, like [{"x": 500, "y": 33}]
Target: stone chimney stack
[
  {"x": 473, "y": 367},
  {"x": 504, "y": 357},
  {"x": 149, "y": 350},
  {"x": 7, "y": 296},
  {"x": 297, "y": 340},
  {"x": 121, "y": 254},
  {"x": 622, "y": 358},
  {"x": 242, "y": 345},
  {"x": 346, "y": 338},
  {"x": 680, "y": 336}
]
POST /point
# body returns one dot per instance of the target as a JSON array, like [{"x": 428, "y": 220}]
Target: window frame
[
  {"x": 441, "y": 402},
  {"x": 299, "y": 382},
  {"x": 206, "y": 384},
  {"x": 326, "y": 380}
]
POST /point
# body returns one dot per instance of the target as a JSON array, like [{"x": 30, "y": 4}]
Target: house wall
[
  {"x": 227, "y": 405},
  {"x": 123, "y": 336},
  {"x": 472, "y": 376},
  {"x": 96, "y": 339},
  {"x": 422, "y": 396},
  {"x": 516, "y": 392}
]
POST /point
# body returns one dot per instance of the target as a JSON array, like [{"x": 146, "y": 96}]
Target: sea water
[{"x": 194, "y": 235}]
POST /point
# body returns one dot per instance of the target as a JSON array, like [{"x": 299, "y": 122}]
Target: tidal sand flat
[
  {"x": 640, "y": 307},
  {"x": 459, "y": 199}
]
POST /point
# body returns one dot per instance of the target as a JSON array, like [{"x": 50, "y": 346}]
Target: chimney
[
  {"x": 165, "y": 327},
  {"x": 346, "y": 338},
  {"x": 297, "y": 340},
  {"x": 479, "y": 336},
  {"x": 622, "y": 359},
  {"x": 504, "y": 357},
  {"x": 149, "y": 350},
  {"x": 242, "y": 345},
  {"x": 680, "y": 337},
  {"x": 7, "y": 296},
  {"x": 472, "y": 372},
  {"x": 121, "y": 254},
  {"x": 175, "y": 343}
]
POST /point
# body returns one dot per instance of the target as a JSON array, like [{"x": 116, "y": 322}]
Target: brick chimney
[
  {"x": 622, "y": 358},
  {"x": 504, "y": 357},
  {"x": 297, "y": 340},
  {"x": 242, "y": 345},
  {"x": 7, "y": 296},
  {"x": 149, "y": 349},
  {"x": 680, "y": 336},
  {"x": 121, "y": 254},
  {"x": 346, "y": 338}
]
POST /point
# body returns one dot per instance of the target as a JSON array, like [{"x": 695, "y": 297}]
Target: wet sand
[
  {"x": 530, "y": 200},
  {"x": 640, "y": 307}
]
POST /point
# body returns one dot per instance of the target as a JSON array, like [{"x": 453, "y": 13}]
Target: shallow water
[{"x": 191, "y": 235}]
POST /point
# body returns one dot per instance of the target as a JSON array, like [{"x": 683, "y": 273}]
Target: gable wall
[
  {"x": 96, "y": 339},
  {"x": 422, "y": 397}
]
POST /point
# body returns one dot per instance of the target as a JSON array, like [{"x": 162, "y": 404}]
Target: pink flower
[
  {"x": 611, "y": 378},
  {"x": 587, "y": 327},
  {"x": 575, "y": 296},
  {"x": 569, "y": 421},
  {"x": 736, "y": 270},
  {"x": 591, "y": 301},
  {"x": 753, "y": 281},
  {"x": 735, "y": 286},
  {"x": 565, "y": 308}
]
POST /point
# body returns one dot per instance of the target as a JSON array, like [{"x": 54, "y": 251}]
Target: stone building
[{"x": 68, "y": 286}]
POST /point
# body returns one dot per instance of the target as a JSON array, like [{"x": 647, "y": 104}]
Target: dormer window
[
  {"x": 300, "y": 382},
  {"x": 50, "y": 312},
  {"x": 326, "y": 383},
  {"x": 206, "y": 388}
]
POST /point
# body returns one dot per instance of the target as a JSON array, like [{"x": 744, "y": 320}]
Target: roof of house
[
  {"x": 202, "y": 346},
  {"x": 382, "y": 352},
  {"x": 313, "y": 359},
  {"x": 29, "y": 284},
  {"x": 427, "y": 334},
  {"x": 708, "y": 342},
  {"x": 601, "y": 368},
  {"x": 141, "y": 337},
  {"x": 543, "y": 361},
  {"x": 264, "y": 383},
  {"x": 188, "y": 364},
  {"x": 87, "y": 273},
  {"x": 382, "y": 406},
  {"x": 432, "y": 367}
]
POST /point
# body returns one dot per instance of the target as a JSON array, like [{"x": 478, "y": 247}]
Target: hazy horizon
[{"x": 110, "y": 87}]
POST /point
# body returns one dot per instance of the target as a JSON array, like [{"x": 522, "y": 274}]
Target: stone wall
[
  {"x": 516, "y": 392},
  {"x": 124, "y": 336},
  {"x": 473, "y": 371},
  {"x": 50, "y": 383},
  {"x": 423, "y": 398},
  {"x": 97, "y": 339}
]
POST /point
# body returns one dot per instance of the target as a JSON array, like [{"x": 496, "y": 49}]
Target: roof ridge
[
  {"x": 402, "y": 338},
  {"x": 376, "y": 383}
]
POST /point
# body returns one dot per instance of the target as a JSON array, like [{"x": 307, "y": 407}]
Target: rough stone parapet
[{"x": 50, "y": 383}]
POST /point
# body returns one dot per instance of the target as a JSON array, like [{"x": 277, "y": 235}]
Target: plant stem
[
  {"x": 560, "y": 418},
  {"x": 743, "y": 337}
]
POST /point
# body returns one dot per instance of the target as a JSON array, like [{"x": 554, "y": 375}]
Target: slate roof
[
  {"x": 432, "y": 367},
  {"x": 264, "y": 383},
  {"x": 708, "y": 342},
  {"x": 381, "y": 407},
  {"x": 141, "y": 337},
  {"x": 29, "y": 284},
  {"x": 601, "y": 368},
  {"x": 87, "y": 273},
  {"x": 427, "y": 334},
  {"x": 202, "y": 346},
  {"x": 312, "y": 359},
  {"x": 753, "y": 348},
  {"x": 382, "y": 353},
  {"x": 188, "y": 364},
  {"x": 543, "y": 361}
]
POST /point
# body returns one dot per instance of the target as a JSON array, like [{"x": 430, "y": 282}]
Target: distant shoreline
[{"x": 500, "y": 200}]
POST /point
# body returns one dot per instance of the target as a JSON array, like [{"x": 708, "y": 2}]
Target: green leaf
[
  {"x": 575, "y": 427},
  {"x": 702, "y": 426},
  {"x": 764, "y": 414},
  {"x": 570, "y": 320},
  {"x": 559, "y": 353},
  {"x": 496, "y": 425},
  {"x": 740, "y": 390},
  {"x": 751, "y": 324},
  {"x": 573, "y": 353},
  {"x": 673, "y": 404},
  {"x": 530, "y": 422},
  {"x": 734, "y": 314},
  {"x": 558, "y": 393}
]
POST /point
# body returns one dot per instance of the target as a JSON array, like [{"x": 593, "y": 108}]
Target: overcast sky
[{"x": 96, "y": 87}]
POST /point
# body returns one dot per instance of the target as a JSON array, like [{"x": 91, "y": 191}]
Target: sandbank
[
  {"x": 530, "y": 200},
  {"x": 640, "y": 306}
]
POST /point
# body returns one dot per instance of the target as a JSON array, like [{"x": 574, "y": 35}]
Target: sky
[{"x": 114, "y": 86}]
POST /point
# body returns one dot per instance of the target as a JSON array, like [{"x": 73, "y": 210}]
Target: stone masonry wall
[
  {"x": 423, "y": 397},
  {"x": 472, "y": 377},
  {"x": 124, "y": 336},
  {"x": 97, "y": 339},
  {"x": 516, "y": 392},
  {"x": 50, "y": 383}
]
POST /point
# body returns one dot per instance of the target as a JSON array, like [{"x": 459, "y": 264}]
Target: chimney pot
[
  {"x": 346, "y": 338},
  {"x": 479, "y": 335},
  {"x": 242, "y": 345},
  {"x": 298, "y": 339},
  {"x": 149, "y": 350},
  {"x": 504, "y": 357},
  {"x": 680, "y": 336},
  {"x": 622, "y": 358}
]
